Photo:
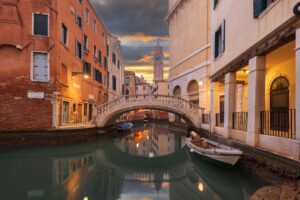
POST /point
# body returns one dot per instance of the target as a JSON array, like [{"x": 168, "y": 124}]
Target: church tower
[{"x": 158, "y": 63}]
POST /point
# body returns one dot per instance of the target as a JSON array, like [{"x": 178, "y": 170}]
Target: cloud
[
  {"x": 146, "y": 71},
  {"x": 142, "y": 37},
  {"x": 138, "y": 24}
]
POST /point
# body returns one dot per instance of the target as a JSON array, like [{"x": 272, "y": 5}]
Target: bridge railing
[{"x": 172, "y": 100}]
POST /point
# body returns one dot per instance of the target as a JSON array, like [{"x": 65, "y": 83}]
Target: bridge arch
[{"x": 111, "y": 111}]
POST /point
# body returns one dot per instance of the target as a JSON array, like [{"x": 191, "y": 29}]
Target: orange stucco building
[{"x": 53, "y": 63}]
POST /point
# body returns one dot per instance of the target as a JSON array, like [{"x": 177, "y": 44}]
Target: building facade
[
  {"x": 115, "y": 67},
  {"x": 189, "y": 32},
  {"x": 53, "y": 71},
  {"x": 255, "y": 89}
]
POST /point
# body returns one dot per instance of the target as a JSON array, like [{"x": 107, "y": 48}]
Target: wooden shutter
[
  {"x": 258, "y": 7},
  {"x": 40, "y": 67},
  {"x": 223, "y": 36}
]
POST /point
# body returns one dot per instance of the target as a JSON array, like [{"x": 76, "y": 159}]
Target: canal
[{"x": 150, "y": 162}]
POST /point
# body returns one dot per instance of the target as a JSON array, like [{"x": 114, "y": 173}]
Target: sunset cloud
[
  {"x": 146, "y": 71},
  {"x": 142, "y": 37}
]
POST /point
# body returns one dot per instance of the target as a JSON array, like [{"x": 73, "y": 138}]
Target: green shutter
[{"x": 258, "y": 7}]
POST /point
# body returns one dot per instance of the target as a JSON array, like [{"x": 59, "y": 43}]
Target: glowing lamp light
[
  {"x": 200, "y": 187},
  {"x": 200, "y": 83},
  {"x": 86, "y": 76},
  {"x": 137, "y": 145},
  {"x": 85, "y": 198}
]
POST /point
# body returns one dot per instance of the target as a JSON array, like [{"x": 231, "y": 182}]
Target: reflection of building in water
[
  {"x": 45, "y": 175},
  {"x": 151, "y": 141}
]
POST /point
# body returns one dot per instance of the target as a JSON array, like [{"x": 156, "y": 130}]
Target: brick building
[{"x": 53, "y": 58}]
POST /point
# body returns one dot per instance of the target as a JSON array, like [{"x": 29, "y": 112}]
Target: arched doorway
[
  {"x": 279, "y": 104},
  {"x": 193, "y": 92},
  {"x": 177, "y": 91}
]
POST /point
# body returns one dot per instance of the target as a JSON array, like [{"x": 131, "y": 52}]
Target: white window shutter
[{"x": 40, "y": 67}]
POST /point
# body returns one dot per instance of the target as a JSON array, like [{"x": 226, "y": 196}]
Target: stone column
[
  {"x": 297, "y": 94},
  {"x": 214, "y": 104},
  {"x": 229, "y": 104},
  {"x": 256, "y": 97}
]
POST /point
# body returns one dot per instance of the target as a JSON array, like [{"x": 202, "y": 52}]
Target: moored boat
[
  {"x": 213, "y": 151},
  {"x": 125, "y": 126}
]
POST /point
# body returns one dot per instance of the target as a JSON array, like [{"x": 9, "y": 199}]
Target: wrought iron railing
[
  {"x": 240, "y": 121},
  {"x": 220, "y": 119},
  {"x": 205, "y": 118},
  {"x": 279, "y": 122}
]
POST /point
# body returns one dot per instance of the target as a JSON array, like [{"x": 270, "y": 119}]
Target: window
[
  {"x": 216, "y": 3},
  {"x": 103, "y": 39},
  {"x": 95, "y": 52},
  {"x": 98, "y": 76},
  {"x": 259, "y": 6},
  {"x": 107, "y": 52},
  {"x": 80, "y": 1},
  {"x": 118, "y": 64},
  {"x": 64, "y": 74},
  {"x": 220, "y": 40},
  {"x": 40, "y": 70},
  {"x": 86, "y": 68},
  {"x": 78, "y": 21},
  {"x": 114, "y": 58},
  {"x": 108, "y": 79},
  {"x": 85, "y": 42},
  {"x": 99, "y": 57},
  {"x": 40, "y": 24},
  {"x": 87, "y": 15},
  {"x": 95, "y": 26},
  {"x": 78, "y": 50},
  {"x": 64, "y": 34},
  {"x": 114, "y": 83},
  {"x": 105, "y": 63}
]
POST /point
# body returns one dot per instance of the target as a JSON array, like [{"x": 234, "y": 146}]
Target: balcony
[
  {"x": 279, "y": 123},
  {"x": 240, "y": 121},
  {"x": 205, "y": 118},
  {"x": 220, "y": 119}
]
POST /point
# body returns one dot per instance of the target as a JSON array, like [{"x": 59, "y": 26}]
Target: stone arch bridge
[{"x": 109, "y": 112}]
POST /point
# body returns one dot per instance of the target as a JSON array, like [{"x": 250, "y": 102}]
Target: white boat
[{"x": 213, "y": 151}]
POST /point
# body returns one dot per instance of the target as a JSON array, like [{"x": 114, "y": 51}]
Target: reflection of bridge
[
  {"x": 109, "y": 112},
  {"x": 169, "y": 168}
]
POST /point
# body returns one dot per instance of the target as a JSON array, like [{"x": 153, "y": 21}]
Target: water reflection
[{"x": 159, "y": 167}]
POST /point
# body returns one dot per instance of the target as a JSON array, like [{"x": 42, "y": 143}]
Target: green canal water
[{"x": 151, "y": 162}]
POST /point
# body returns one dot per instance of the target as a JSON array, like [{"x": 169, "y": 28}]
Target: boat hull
[{"x": 225, "y": 159}]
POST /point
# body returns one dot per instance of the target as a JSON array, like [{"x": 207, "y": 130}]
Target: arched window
[
  {"x": 193, "y": 92},
  {"x": 177, "y": 91},
  {"x": 279, "y": 104},
  {"x": 279, "y": 98}
]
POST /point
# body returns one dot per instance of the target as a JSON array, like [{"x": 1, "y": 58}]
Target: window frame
[
  {"x": 76, "y": 48},
  {"x": 32, "y": 66},
  {"x": 221, "y": 50},
  {"x": 48, "y": 31},
  {"x": 62, "y": 35}
]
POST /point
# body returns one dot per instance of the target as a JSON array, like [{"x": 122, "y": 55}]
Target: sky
[{"x": 138, "y": 24}]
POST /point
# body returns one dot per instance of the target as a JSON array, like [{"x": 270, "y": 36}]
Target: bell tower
[{"x": 158, "y": 63}]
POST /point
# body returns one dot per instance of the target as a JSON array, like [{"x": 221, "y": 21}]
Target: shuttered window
[
  {"x": 40, "y": 24},
  {"x": 216, "y": 3},
  {"x": 99, "y": 57},
  {"x": 40, "y": 71},
  {"x": 219, "y": 46},
  {"x": 259, "y": 6},
  {"x": 64, "y": 34},
  {"x": 98, "y": 76}
]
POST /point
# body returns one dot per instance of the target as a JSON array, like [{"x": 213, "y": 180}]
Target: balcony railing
[
  {"x": 220, "y": 119},
  {"x": 240, "y": 121},
  {"x": 279, "y": 123},
  {"x": 205, "y": 118}
]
